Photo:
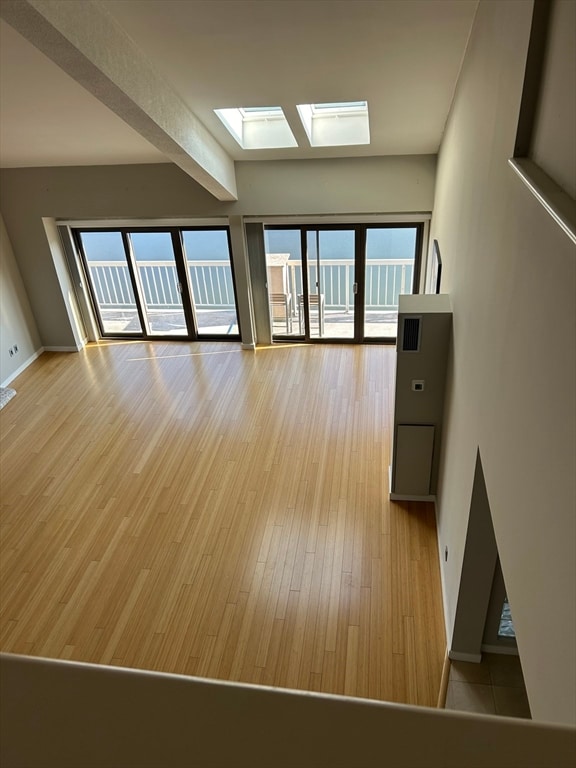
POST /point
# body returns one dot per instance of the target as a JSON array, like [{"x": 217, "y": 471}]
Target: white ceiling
[{"x": 402, "y": 56}]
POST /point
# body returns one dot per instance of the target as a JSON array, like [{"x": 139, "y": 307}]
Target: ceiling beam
[{"x": 88, "y": 44}]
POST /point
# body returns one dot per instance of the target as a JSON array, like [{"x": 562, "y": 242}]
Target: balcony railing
[
  {"x": 212, "y": 286},
  {"x": 386, "y": 279},
  {"x": 211, "y": 283}
]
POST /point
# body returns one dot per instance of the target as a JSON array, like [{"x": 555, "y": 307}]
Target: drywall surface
[
  {"x": 361, "y": 185},
  {"x": 511, "y": 275},
  {"x": 17, "y": 324},
  {"x": 60, "y": 714},
  {"x": 34, "y": 259},
  {"x": 400, "y": 184}
]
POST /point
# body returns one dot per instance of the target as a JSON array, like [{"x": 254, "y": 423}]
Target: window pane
[
  {"x": 506, "y": 626},
  {"x": 110, "y": 278},
  {"x": 390, "y": 254},
  {"x": 331, "y": 299},
  {"x": 154, "y": 257},
  {"x": 284, "y": 267},
  {"x": 211, "y": 282}
]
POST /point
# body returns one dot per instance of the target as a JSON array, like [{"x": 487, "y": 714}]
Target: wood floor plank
[{"x": 198, "y": 509}]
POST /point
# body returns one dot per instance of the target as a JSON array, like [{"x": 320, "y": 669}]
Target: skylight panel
[
  {"x": 333, "y": 124},
  {"x": 258, "y": 127},
  {"x": 339, "y": 106},
  {"x": 261, "y": 111}
]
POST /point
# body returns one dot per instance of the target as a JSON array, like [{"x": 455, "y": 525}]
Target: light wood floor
[{"x": 198, "y": 509}]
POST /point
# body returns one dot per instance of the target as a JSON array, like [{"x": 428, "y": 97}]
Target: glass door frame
[
  {"x": 76, "y": 233},
  {"x": 419, "y": 257},
  {"x": 199, "y": 334},
  {"x": 360, "y": 241},
  {"x": 357, "y": 256},
  {"x": 183, "y": 286},
  {"x": 185, "y": 290}
]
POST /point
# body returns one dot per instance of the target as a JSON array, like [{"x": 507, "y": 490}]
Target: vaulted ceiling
[{"x": 137, "y": 81}]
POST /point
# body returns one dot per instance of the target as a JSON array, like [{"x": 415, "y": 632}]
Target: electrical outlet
[
  {"x": 445, "y": 554},
  {"x": 11, "y": 352},
  {"x": 15, "y": 348}
]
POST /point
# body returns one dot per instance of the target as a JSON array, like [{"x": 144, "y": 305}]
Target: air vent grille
[{"x": 411, "y": 334}]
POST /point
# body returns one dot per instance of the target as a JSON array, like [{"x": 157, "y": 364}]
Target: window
[
  {"x": 336, "y": 124},
  {"x": 258, "y": 127}
]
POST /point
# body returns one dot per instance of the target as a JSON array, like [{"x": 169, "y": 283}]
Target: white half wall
[{"x": 61, "y": 714}]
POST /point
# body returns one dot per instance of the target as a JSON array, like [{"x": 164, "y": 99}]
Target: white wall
[
  {"x": 511, "y": 274},
  {"x": 17, "y": 324}
]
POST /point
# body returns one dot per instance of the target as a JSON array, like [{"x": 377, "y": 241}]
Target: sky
[{"x": 211, "y": 245}]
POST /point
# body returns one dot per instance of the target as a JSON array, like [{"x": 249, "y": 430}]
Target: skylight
[
  {"x": 334, "y": 124},
  {"x": 258, "y": 127}
]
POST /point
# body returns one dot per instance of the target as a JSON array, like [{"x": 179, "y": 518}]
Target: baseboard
[
  {"x": 447, "y": 628},
  {"x": 249, "y": 347},
  {"x": 23, "y": 367},
  {"x": 410, "y": 497},
  {"x": 475, "y": 658},
  {"x": 505, "y": 650},
  {"x": 445, "y": 679},
  {"x": 63, "y": 349},
  {"x": 406, "y": 496}
]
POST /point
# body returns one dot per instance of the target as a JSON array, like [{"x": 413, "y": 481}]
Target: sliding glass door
[
  {"x": 391, "y": 257},
  {"x": 332, "y": 285},
  {"x": 207, "y": 254},
  {"x": 111, "y": 281},
  {"x": 161, "y": 283},
  {"x": 340, "y": 282}
]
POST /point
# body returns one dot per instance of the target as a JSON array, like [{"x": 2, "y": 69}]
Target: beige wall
[
  {"x": 362, "y": 185},
  {"x": 17, "y": 324},
  {"x": 511, "y": 274}
]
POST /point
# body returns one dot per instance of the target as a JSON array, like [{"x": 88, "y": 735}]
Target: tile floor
[{"x": 493, "y": 687}]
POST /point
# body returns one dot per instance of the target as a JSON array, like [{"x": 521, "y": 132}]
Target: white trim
[
  {"x": 221, "y": 221},
  {"x": 332, "y": 218},
  {"x": 68, "y": 291},
  {"x": 89, "y": 323},
  {"x": 475, "y": 658},
  {"x": 505, "y": 650},
  {"x": 442, "y": 562},
  {"x": 23, "y": 367},
  {"x": 552, "y": 197},
  {"x": 63, "y": 349},
  {"x": 410, "y": 497},
  {"x": 250, "y": 347},
  {"x": 424, "y": 255}
]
